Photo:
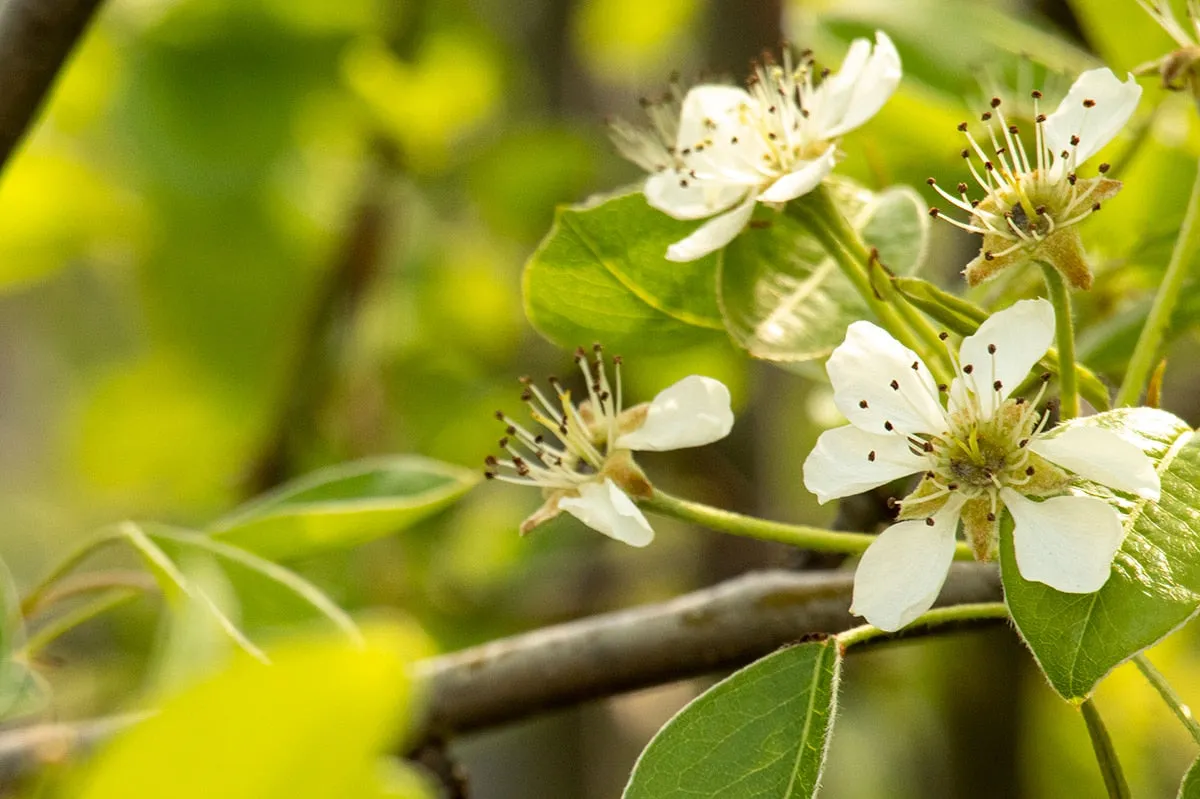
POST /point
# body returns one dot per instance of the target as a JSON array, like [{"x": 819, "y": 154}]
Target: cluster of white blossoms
[
  {"x": 1031, "y": 205},
  {"x": 980, "y": 453},
  {"x": 721, "y": 149},
  {"x": 590, "y": 472}
]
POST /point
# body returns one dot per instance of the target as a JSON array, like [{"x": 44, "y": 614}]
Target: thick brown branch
[
  {"x": 36, "y": 36},
  {"x": 725, "y": 626}
]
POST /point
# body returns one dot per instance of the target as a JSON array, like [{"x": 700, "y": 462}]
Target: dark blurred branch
[
  {"x": 725, "y": 626},
  {"x": 319, "y": 352},
  {"x": 36, "y": 36}
]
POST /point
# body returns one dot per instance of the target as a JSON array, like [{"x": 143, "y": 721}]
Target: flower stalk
[
  {"x": 801, "y": 536},
  {"x": 1106, "y": 754},
  {"x": 1173, "y": 700},
  {"x": 1149, "y": 343},
  {"x": 1064, "y": 322},
  {"x": 820, "y": 214}
]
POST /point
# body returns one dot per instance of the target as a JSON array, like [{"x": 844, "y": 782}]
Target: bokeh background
[{"x": 249, "y": 238}]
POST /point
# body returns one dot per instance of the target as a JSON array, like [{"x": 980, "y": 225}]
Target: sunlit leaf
[
  {"x": 1155, "y": 583},
  {"x": 601, "y": 274},
  {"x": 783, "y": 296},
  {"x": 315, "y": 722},
  {"x": 343, "y": 506},
  {"x": 1190, "y": 787},
  {"x": 761, "y": 733}
]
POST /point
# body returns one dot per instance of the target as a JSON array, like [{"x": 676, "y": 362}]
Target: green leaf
[
  {"x": 1155, "y": 584},
  {"x": 316, "y": 722},
  {"x": 761, "y": 733},
  {"x": 343, "y": 506},
  {"x": 1190, "y": 787},
  {"x": 783, "y": 297},
  {"x": 601, "y": 274},
  {"x": 254, "y": 576},
  {"x": 179, "y": 589}
]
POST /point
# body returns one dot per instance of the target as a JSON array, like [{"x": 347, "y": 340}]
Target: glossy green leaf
[
  {"x": 601, "y": 274},
  {"x": 785, "y": 299},
  {"x": 1155, "y": 583},
  {"x": 315, "y": 722},
  {"x": 761, "y": 733},
  {"x": 1190, "y": 787},
  {"x": 343, "y": 506}
]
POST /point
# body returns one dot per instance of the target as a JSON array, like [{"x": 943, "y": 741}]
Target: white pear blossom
[
  {"x": 1032, "y": 204},
  {"x": 590, "y": 472},
  {"x": 723, "y": 149},
  {"x": 980, "y": 453}
]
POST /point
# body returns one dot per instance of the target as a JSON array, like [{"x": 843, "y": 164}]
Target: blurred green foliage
[{"x": 204, "y": 180}]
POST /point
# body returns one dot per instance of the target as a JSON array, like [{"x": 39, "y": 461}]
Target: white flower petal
[
  {"x": 828, "y": 102},
  {"x": 903, "y": 570},
  {"x": 873, "y": 86},
  {"x": 1021, "y": 334},
  {"x": 713, "y": 234},
  {"x": 718, "y": 137},
  {"x": 847, "y": 461},
  {"x": 693, "y": 412},
  {"x": 1068, "y": 542},
  {"x": 863, "y": 369},
  {"x": 805, "y": 177},
  {"x": 1114, "y": 102},
  {"x": 683, "y": 197},
  {"x": 606, "y": 508},
  {"x": 1101, "y": 455}
]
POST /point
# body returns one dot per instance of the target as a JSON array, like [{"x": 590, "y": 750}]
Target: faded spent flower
[
  {"x": 590, "y": 472},
  {"x": 1031, "y": 205},
  {"x": 723, "y": 148},
  {"x": 983, "y": 452}
]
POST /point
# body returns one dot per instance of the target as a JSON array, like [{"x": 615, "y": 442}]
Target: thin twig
[
  {"x": 722, "y": 627},
  {"x": 36, "y": 36}
]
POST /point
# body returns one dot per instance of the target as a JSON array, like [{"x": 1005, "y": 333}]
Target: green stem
[
  {"x": 77, "y": 616},
  {"x": 938, "y": 617},
  {"x": 33, "y": 600},
  {"x": 1068, "y": 381},
  {"x": 1145, "y": 353},
  {"x": 1173, "y": 700},
  {"x": 798, "y": 535},
  {"x": 824, "y": 219},
  {"x": 1106, "y": 755}
]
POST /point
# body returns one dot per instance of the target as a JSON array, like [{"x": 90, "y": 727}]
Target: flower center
[{"x": 976, "y": 461}]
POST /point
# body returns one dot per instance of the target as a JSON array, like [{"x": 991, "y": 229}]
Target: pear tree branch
[
  {"x": 36, "y": 37},
  {"x": 721, "y": 627}
]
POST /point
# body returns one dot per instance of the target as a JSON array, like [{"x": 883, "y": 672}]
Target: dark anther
[
  {"x": 930, "y": 181},
  {"x": 927, "y": 446},
  {"x": 1040, "y": 118},
  {"x": 888, "y": 426},
  {"x": 965, "y": 153},
  {"x": 1035, "y": 94},
  {"x": 1040, "y": 210},
  {"x": 871, "y": 456},
  {"x": 933, "y": 211},
  {"x": 995, "y": 102},
  {"x": 499, "y": 415},
  {"x": 916, "y": 365},
  {"x": 968, "y": 369},
  {"x": 952, "y": 487},
  {"x": 962, "y": 188},
  {"x": 929, "y": 521},
  {"x": 985, "y": 116},
  {"x": 895, "y": 385},
  {"x": 943, "y": 387},
  {"x": 1021, "y": 444},
  {"x": 1104, "y": 168},
  {"x": 1045, "y": 377},
  {"x": 1089, "y": 103},
  {"x": 991, "y": 517},
  {"x": 862, "y": 404},
  {"x": 1074, "y": 141},
  {"x": 943, "y": 335},
  {"x": 1013, "y": 129},
  {"x": 512, "y": 431},
  {"x": 997, "y": 386},
  {"x": 1029, "y": 471},
  {"x": 962, "y": 126},
  {"x": 991, "y": 349}
]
